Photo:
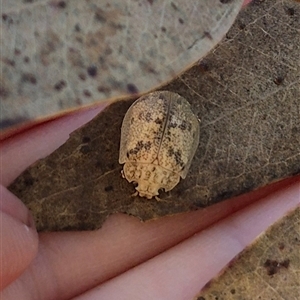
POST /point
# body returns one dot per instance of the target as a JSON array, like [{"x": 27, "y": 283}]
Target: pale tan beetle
[{"x": 159, "y": 137}]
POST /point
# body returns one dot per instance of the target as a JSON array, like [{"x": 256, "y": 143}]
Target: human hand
[{"x": 171, "y": 261}]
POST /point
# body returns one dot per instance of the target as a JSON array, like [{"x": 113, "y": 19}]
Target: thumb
[{"x": 18, "y": 238}]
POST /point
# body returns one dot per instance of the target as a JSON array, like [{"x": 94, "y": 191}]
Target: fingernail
[{"x": 30, "y": 221}]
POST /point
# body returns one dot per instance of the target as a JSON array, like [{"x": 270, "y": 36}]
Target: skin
[
  {"x": 171, "y": 261},
  {"x": 170, "y": 258}
]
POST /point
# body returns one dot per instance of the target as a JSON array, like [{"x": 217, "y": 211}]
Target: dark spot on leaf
[
  {"x": 85, "y": 149},
  {"x": 232, "y": 291},
  {"x": 104, "y": 90},
  {"x": 92, "y": 71},
  {"x": 278, "y": 80},
  {"x": 273, "y": 266},
  {"x": 87, "y": 93},
  {"x": 172, "y": 125},
  {"x": 100, "y": 16},
  {"x": 163, "y": 29},
  {"x": 86, "y": 139},
  {"x": 61, "y": 4},
  {"x": 49, "y": 45},
  {"x": 180, "y": 21},
  {"x": 132, "y": 89},
  {"x": 109, "y": 188},
  {"x": 131, "y": 120},
  {"x": 290, "y": 11},
  {"x": 82, "y": 76},
  {"x": 150, "y": 1},
  {"x": 285, "y": 263},
  {"x": 60, "y": 85},
  {"x": 203, "y": 65},
  {"x": 28, "y": 179},
  {"x": 7, "y": 19},
  {"x": 241, "y": 25},
  {"x": 29, "y": 77},
  {"x": 26, "y": 59},
  {"x": 77, "y": 27},
  {"x": 281, "y": 246},
  {"x": 9, "y": 62},
  {"x": 207, "y": 35},
  {"x": 17, "y": 52},
  {"x": 174, "y": 6},
  {"x": 147, "y": 67}
]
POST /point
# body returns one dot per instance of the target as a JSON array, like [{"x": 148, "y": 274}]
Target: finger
[
  {"x": 39, "y": 142},
  {"x": 19, "y": 239},
  {"x": 181, "y": 272},
  {"x": 70, "y": 263}
]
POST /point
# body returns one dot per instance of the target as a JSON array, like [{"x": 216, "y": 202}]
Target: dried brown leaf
[
  {"x": 268, "y": 269},
  {"x": 61, "y": 55},
  {"x": 246, "y": 93}
]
